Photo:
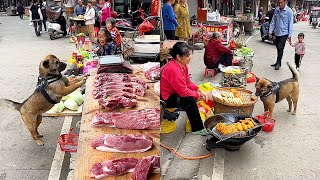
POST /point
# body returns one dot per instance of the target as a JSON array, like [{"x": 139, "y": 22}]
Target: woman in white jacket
[
  {"x": 36, "y": 17},
  {"x": 89, "y": 18}
]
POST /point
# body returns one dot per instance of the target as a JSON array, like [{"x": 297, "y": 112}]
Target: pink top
[
  {"x": 176, "y": 80},
  {"x": 299, "y": 48},
  {"x": 106, "y": 12}
]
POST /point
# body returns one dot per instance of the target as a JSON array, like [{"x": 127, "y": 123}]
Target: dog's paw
[
  {"x": 289, "y": 110},
  {"x": 40, "y": 136},
  {"x": 39, "y": 142},
  {"x": 294, "y": 113}
]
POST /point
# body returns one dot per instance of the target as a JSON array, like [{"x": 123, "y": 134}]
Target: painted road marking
[
  {"x": 219, "y": 154},
  {"x": 59, "y": 155}
]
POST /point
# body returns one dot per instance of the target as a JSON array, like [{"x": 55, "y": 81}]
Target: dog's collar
[
  {"x": 42, "y": 84},
  {"x": 275, "y": 89}
]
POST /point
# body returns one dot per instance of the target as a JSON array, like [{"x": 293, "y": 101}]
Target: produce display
[
  {"x": 233, "y": 80},
  {"x": 232, "y": 97},
  {"x": 244, "y": 51},
  {"x": 72, "y": 102},
  {"x": 242, "y": 125}
]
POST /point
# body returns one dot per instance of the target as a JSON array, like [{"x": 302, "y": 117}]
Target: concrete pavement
[
  {"x": 21, "y": 52},
  {"x": 288, "y": 152}
]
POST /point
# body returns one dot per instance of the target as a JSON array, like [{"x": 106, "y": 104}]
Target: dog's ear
[
  {"x": 257, "y": 79},
  {"x": 45, "y": 64}
]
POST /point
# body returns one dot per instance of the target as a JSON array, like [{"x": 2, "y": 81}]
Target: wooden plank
[
  {"x": 87, "y": 156},
  {"x": 65, "y": 112}
]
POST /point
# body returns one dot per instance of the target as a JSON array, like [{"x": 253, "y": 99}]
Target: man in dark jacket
[
  {"x": 215, "y": 53},
  {"x": 271, "y": 12},
  {"x": 36, "y": 17},
  {"x": 20, "y": 10}
]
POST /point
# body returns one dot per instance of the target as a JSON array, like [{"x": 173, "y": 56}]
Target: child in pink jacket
[{"x": 299, "y": 50}]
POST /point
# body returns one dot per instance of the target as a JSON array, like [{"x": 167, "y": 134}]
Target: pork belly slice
[
  {"x": 123, "y": 143},
  {"x": 116, "y": 167}
]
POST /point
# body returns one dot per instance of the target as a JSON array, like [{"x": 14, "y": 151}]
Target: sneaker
[
  {"x": 297, "y": 68},
  {"x": 40, "y": 32},
  {"x": 202, "y": 132}
]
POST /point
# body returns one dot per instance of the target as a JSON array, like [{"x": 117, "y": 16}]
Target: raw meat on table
[
  {"x": 145, "y": 167},
  {"x": 113, "y": 167},
  {"x": 133, "y": 119},
  {"x": 128, "y": 143},
  {"x": 119, "y": 100}
]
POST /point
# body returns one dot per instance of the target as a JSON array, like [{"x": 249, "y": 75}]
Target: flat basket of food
[
  {"x": 233, "y": 127},
  {"x": 233, "y": 76},
  {"x": 235, "y": 100}
]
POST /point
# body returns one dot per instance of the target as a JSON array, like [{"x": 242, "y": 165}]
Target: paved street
[
  {"x": 21, "y": 52},
  {"x": 290, "y": 151}
]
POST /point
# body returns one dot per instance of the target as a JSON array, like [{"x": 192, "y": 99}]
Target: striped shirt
[
  {"x": 282, "y": 22},
  {"x": 299, "y": 48},
  {"x": 115, "y": 34}
]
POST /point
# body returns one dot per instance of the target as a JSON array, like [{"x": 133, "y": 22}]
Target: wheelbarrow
[{"x": 230, "y": 142}]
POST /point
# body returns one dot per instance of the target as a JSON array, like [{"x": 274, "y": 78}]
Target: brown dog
[
  {"x": 272, "y": 92},
  {"x": 52, "y": 86}
]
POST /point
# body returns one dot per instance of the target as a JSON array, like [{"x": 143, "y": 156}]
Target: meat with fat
[
  {"x": 113, "y": 167},
  {"x": 132, "y": 119},
  {"x": 145, "y": 167},
  {"x": 128, "y": 143}
]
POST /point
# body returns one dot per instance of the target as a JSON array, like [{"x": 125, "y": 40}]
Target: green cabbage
[
  {"x": 70, "y": 104},
  {"x": 58, "y": 108},
  {"x": 77, "y": 97}
]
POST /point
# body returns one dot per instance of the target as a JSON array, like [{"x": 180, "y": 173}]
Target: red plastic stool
[
  {"x": 96, "y": 30},
  {"x": 206, "y": 72}
]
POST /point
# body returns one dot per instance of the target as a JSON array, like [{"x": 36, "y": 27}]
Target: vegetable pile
[
  {"x": 72, "y": 101},
  {"x": 244, "y": 51}
]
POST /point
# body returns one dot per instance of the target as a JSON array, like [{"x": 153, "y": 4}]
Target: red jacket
[
  {"x": 214, "y": 49},
  {"x": 176, "y": 80}
]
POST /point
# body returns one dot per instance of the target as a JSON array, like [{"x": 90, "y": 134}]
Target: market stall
[{"x": 223, "y": 27}]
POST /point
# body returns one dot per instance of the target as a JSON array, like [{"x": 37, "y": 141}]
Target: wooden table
[{"x": 87, "y": 156}]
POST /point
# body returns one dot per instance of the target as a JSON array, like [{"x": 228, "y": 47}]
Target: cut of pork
[
  {"x": 118, "y": 100},
  {"x": 122, "y": 143},
  {"x": 145, "y": 167},
  {"x": 132, "y": 119},
  {"x": 113, "y": 167}
]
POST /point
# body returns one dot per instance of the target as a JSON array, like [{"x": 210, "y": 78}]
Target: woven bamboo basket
[{"x": 246, "y": 108}]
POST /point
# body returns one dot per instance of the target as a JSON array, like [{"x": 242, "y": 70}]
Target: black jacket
[
  {"x": 270, "y": 14},
  {"x": 34, "y": 12}
]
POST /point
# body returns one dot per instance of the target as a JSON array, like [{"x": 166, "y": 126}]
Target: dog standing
[
  {"x": 273, "y": 92},
  {"x": 52, "y": 86}
]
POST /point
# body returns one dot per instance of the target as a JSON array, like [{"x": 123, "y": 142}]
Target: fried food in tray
[
  {"x": 233, "y": 97},
  {"x": 242, "y": 125}
]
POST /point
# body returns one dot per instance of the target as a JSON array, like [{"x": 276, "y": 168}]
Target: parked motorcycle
[
  {"x": 265, "y": 33},
  {"x": 56, "y": 18}
]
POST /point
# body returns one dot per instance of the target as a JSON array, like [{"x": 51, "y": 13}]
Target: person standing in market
[
  {"x": 182, "y": 12},
  {"x": 169, "y": 20},
  {"x": 177, "y": 89},
  {"x": 89, "y": 19},
  {"x": 36, "y": 17},
  {"x": 282, "y": 25},
  {"x": 20, "y": 10},
  {"x": 216, "y": 53},
  {"x": 80, "y": 9},
  {"x": 96, "y": 10},
  {"x": 105, "y": 12},
  {"x": 44, "y": 14},
  {"x": 260, "y": 15}
]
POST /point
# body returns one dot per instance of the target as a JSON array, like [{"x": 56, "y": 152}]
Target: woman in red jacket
[
  {"x": 215, "y": 53},
  {"x": 176, "y": 88}
]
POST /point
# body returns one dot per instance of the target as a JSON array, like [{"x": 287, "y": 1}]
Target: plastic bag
[
  {"x": 70, "y": 104},
  {"x": 204, "y": 110},
  {"x": 145, "y": 27}
]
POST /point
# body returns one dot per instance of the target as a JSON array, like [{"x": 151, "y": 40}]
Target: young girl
[
  {"x": 115, "y": 34},
  {"x": 106, "y": 45},
  {"x": 299, "y": 50}
]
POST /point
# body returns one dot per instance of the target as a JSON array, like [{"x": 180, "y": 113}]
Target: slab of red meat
[
  {"x": 153, "y": 73},
  {"x": 133, "y": 119},
  {"x": 113, "y": 167},
  {"x": 119, "y": 100},
  {"x": 145, "y": 167},
  {"x": 128, "y": 143}
]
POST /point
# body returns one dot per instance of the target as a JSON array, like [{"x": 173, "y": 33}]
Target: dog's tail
[
  {"x": 295, "y": 74},
  {"x": 10, "y": 104}
]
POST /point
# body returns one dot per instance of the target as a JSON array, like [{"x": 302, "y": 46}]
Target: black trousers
[
  {"x": 37, "y": 27},
  {"x": 44, "y": 21},
  {"x": 280, "y": 44},
  {"x": 188, "y": 104},
  {"x": 21, "y": 15},
  {"x": 297, "y": 60},
  {"x": 170, "y": 34},
  {"x": 224, "y": 60},
  {"x": 62, "y": 21}
]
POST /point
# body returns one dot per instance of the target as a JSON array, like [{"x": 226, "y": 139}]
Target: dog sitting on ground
[
  {"x": 52, "y": 86},
  {"x": 273, "y": 92}
]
